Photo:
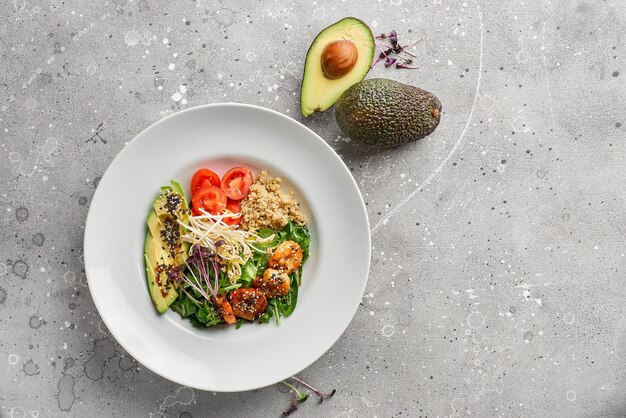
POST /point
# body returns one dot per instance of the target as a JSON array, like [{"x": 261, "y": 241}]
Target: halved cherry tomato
[
  {"x": 234, "y": 207},
  {"x": 207, "y": 183},
  {"x": 212, "y": 199},
  {"x": 202, "y": 178},
  {"x": 236, "y": 182}
]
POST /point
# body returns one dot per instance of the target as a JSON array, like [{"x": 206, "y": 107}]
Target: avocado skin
[{"x": 387, "y": 113}]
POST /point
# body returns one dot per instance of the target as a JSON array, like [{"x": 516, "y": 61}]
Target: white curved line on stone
[{"x": 456, "y": 145}]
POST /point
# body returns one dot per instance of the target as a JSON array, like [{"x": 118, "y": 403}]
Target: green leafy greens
[{"x": 204, "y": 314}]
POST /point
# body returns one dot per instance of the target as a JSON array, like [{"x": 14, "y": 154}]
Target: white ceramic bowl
[{"x": 220, "y": 136}]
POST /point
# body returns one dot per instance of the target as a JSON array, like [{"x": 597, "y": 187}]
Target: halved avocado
[
  {"x": 164, "y": 247},
  {"x": 322, "y": 87}
]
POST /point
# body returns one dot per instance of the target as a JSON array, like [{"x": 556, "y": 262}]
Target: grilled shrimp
[
  {"x": 273, "y": 284},
  {"x": 287, "y": 257},
  {"x": 248, "y": 303},
  {"x": 224, "y": 309}
]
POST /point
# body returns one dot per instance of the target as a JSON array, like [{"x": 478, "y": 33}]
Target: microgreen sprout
[
  {"x": 201, "y": 282},
  {"x": 321, "y": 395},
  {"x": 395, "y": 53},
  {"x": 233, "y": 246},
  {"x": 299, "y": 396},
  {"x": 293, "y": 406}
]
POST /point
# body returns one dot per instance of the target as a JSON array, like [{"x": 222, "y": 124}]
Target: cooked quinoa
[{"x": 267, "y": 207}]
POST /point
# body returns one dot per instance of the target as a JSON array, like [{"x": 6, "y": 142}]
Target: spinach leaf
[
  {"x": 195, "y": 293},
  {"x": 208, "y": 315},
  {"x": 196, "y": 323},
  {"x": 205, "y": 316},
  {"x": 265, "y": 317},
  {"x": 265, "y": 232},
  {"x": 184, "y": 306},
  {"x": 287, "y": 303},
  {"x": 202, "y": 315},
  {"x": 248, "y": 273},
  {"x": 273, "y": 306},
  {"x": 270, "y": 312},
  {"x": 223, "y": 281},
  {"x": 261, "y": 262},
  {"x": 299, "y": 234}
]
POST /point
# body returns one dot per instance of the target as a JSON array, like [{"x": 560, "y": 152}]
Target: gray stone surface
[{"x": 497, "y": 282}]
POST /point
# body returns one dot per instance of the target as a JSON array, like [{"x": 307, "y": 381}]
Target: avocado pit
[{"x": 338, "y": 58}]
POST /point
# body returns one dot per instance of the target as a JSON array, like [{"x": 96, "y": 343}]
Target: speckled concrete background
[{"x": 497, "y": 284}]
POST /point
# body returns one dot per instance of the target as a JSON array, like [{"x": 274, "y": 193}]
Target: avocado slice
[
  {"x": 164, "y": 247},
  {"x": 163, "y": 294},
  {"x": 327, "y": 75},
  {"x": 387, "y": 113},
  {"x": 155, "y": 291}
]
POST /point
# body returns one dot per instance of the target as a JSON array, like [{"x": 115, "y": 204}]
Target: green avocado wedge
[{"x": 164, "y": 247}]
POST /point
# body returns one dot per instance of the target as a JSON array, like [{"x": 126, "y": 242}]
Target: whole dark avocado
[{"x": 387, "y": 113}]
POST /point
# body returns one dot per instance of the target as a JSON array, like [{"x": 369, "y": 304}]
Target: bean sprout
[{"x": 233, "y": 246}]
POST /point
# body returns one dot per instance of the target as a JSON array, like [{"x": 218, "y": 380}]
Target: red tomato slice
[
  {"x": 202, "y": 178},
  {"x": 212, "y": 199},
  {"x": 234, "y": 207},
  {"x": 236, "y": 182},
  {"x": 207, "y": 183}
]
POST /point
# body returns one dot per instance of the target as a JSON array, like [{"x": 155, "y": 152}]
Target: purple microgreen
[
  {"x": 197, "y": 288},
  {"x": 390, "y": 61},
  {"x": 207, "y": 279},
  {"x": 384, "y": 49},
  {"x": 393, "y": 37},
  {"x": 204, "y": 273},
  {"x": 403, "y": 48},
  {"x": 203, "y": 278},
  {"x": 394, "y": 53},
  {"x": 217, "y": 275},
  {"x": 297, "y": 396},
  {"x": 216, "y": 268},
  {"x": 412, "y": 43},
  {"x": 190, "y": 297},
  {"x": 405, "y": 66},
  {"x": 293, "y": 406},
  {"x": 192, "y": 274},
  {"x": 321, "y": 395},
  {"x": 384, "y": 52},
  {"x": 173, "y": 273}
]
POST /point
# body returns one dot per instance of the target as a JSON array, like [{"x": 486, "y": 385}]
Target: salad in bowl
[{"x": 234, "y": 255}]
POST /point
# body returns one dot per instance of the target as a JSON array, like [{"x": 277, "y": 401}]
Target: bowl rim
[{"x": 146, "y": 131}]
